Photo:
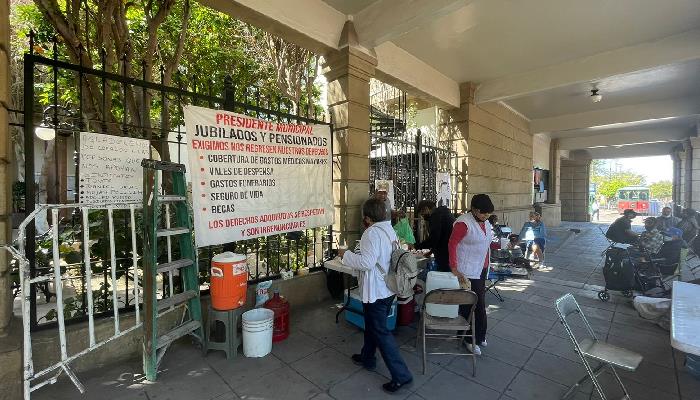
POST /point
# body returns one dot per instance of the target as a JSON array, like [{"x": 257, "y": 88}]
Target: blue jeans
[{"x": 378, "y": 336}]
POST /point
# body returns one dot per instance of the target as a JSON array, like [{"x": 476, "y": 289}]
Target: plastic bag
[{"x": 262, "y": 294}]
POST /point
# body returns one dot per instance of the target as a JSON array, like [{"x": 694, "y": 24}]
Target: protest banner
[{"x": 252, "y": 177}]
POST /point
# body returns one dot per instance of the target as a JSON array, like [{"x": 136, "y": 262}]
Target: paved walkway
[{"x": 528, "y": 357}]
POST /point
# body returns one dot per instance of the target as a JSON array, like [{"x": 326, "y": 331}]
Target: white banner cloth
[{"x": 253, "y": 178}]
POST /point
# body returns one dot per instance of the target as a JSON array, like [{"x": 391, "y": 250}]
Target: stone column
[
  {"x": 348, "y": 72},
  {"x": 10, "y": 328},
  {"x": 551, "y": 210},
  {"x": 694, "y": 168},
  {"x": 687, "y": 177},
  {"x": 575, "y": 178},
  {"x": 676, "y": 192},
  {"x": 681, "y": 176},
  {"x": 554, "y": 172}
]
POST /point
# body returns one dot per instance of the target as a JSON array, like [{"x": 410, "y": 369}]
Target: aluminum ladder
[{"x": 155, "y": 344}]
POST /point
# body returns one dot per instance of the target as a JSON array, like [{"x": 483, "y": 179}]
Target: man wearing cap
[
  {"x": 382, "y": 193},
  {"x": 621, "y": 231}
]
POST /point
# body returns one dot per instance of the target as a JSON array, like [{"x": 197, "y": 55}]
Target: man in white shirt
[{"x": 372, "y": 264}]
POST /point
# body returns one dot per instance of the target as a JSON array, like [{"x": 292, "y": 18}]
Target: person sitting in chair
[
  {"x": 534, "y": 234},
  {"x": 621, "y": 231},
  {"x": 651, "y": 239}
]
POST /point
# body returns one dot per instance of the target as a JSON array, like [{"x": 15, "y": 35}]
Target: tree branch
[{"x": 174, "y": 62}]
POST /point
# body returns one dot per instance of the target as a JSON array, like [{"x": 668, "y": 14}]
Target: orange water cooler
[{"x": 229, "y": 281}]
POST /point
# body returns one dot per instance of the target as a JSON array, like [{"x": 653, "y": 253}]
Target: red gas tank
[{"x": 280, "y": 306}]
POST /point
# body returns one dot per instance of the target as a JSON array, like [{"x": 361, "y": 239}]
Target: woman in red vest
[{"x": 469, "y": 259}]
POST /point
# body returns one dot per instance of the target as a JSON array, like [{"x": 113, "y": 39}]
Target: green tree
[
  {"x": 610, "y": 184},
  {"x": 661, "y": 189},
  {"x": 176, "y": 42}
]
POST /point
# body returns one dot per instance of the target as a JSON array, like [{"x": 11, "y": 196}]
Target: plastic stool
[{"x": 232, "y": 340}]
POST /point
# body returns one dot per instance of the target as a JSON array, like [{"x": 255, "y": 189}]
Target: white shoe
[
  {"x": 484, "y": 344},
  {"x": 475, "y": 349}
]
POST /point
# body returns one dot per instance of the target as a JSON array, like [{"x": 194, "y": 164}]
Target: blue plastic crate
[{"x": 358, "y": 319}]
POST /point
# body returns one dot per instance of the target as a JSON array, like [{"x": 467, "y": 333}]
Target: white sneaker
[
  {"x": 475, "y": 349},
  {"x": 484, "y": 344}
]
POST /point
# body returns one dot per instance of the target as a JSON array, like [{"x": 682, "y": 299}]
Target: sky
[{"x": 658, "y": 168}]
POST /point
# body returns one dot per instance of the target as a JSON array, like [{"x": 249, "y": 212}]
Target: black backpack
[{"x": 618, "y": 270}]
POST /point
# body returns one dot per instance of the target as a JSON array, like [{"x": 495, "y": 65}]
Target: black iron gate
[
  {"x": 161, "y": 122},
  {"x": 410, "y": 158}
]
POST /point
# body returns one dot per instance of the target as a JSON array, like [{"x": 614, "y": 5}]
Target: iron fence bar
[
  {"x": 58, "y": 283},
  {"x": 115, "y": 297},
  {"x": 88, "y": 275},
  {"x": 419, "y": 151},
  {"x": 134, "y": 263},
  {"x": 169, "y": 89},
  {"x": 29, "y": 178}
]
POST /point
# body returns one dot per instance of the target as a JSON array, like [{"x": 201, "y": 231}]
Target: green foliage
[
  {"x": 18, "y": 193},
  {"x": 598, "y": 168},
  {"x": 215, "y": 46},
  {"x": 610, "y": 184},
  {"x": 661, "y": 189},
  {"x": 71, "y": 253}
]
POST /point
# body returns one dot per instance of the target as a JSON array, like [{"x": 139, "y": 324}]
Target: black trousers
[{"x": 478, "y": 287}]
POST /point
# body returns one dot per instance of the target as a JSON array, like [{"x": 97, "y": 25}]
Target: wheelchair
[{"x": 630, "y": 269}]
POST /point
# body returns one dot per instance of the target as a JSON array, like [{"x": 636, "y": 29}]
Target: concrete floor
[{"x": 528, "y": 357}]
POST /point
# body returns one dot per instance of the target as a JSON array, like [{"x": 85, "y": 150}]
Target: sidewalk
[{"x": 528, "y": 357}]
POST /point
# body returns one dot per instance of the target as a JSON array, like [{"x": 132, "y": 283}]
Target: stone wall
[
  {"x": 10, "y": 328},
  {"x": 574, "y": 179},
  {"x": 541, "y": 151},
  {"x": 494, "y": 155},
  {"x": 551, "y": 214}
]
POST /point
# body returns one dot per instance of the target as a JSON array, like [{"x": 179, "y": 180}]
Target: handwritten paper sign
[
  {"x": 110, "y": 169},
  {"x": 253, "y": 178}
]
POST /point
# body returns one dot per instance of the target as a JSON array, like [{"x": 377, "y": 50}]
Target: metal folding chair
[
  {"x": 494, "y": 279},
  {"x": 592, "y": 349},
  {"x": 460, "y": 325}
]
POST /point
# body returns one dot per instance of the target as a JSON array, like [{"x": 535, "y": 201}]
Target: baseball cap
[{"x": 630, "y": 211}]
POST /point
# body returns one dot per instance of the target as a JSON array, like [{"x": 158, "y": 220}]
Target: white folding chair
[{"x": 592, "y": 349}]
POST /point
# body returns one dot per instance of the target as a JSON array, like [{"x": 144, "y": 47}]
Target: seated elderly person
[{"x": 651, "y": 240}]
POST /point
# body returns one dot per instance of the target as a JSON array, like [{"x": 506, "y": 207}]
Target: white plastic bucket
[
  {"x": 257, "y": 332},
  {"x": 441, "y": 280}
]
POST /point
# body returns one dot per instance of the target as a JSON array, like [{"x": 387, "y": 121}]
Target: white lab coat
[{"x": 375, "y": 249}]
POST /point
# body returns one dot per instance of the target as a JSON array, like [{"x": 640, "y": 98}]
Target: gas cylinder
[{"x": 280, "y": 306}]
